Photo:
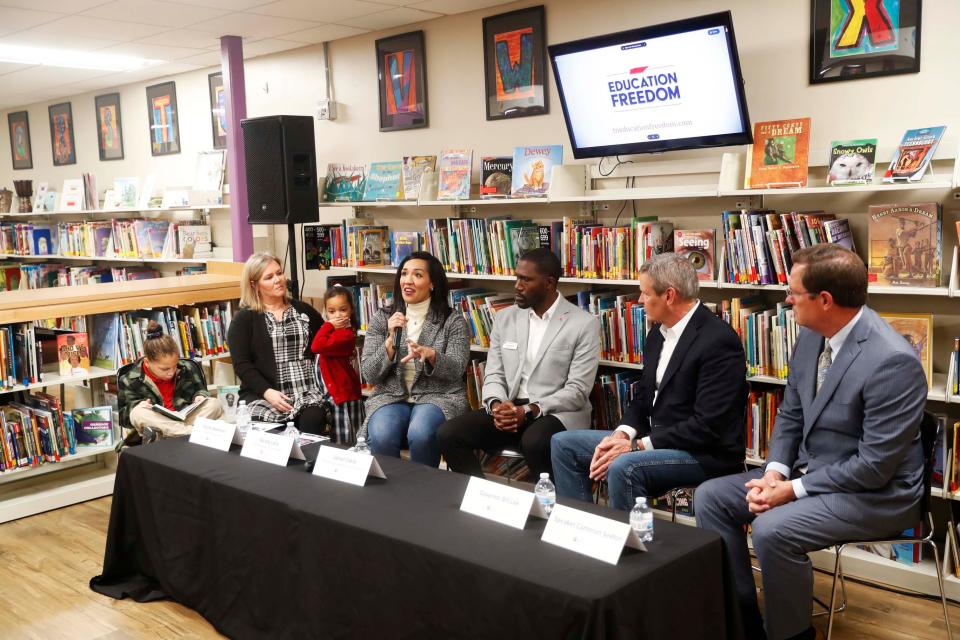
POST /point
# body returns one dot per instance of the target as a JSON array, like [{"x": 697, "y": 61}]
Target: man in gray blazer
[
  {"x": 541, "y": 366},
  {"x": 845, "y": 462}
]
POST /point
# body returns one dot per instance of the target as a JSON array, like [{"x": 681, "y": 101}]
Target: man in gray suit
[
  {"x": 541, "y": 366},
  {"x": 845, "y": 462}
]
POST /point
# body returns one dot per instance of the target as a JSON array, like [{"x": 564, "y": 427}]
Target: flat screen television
[{"x": 664, "y": 87}]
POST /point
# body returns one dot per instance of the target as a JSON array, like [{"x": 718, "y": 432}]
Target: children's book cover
[
  {"x": 383, "y": 182},
  {"x": 532, "y": 170},
  {"x": 852, "y": 162},
  {"x": 780, "y": 154},
  {"x": 73, "y": 354},
  {"x": 913, "y": 156}
]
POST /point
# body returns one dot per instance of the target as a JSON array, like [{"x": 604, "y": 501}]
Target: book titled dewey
[{"x": 532, "y": 169}]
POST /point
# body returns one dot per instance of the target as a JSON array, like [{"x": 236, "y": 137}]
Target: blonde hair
[{"x": 253, "y": 270}]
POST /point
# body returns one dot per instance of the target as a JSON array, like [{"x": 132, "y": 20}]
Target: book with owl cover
[
  {"x": 454, "y": 174},
  {"x": 532, "y": 169},
  {"x": 852, "y": 161},
  {"x": 780, "y": 153},
  {"x": 496, "y": 176}
]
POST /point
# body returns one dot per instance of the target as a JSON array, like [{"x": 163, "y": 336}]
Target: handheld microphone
[{"x": 396, "y": 344}]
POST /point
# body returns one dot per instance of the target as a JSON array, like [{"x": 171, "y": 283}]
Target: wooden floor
[{"x": 47, "y": 561}]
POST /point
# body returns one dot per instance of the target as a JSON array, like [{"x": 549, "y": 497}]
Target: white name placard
[
  {"x": 497, "y": 502},
  {"x": 346, "y": 466},
  {"x": 215, "y": 434},
  {"x": 589, "y": 534},
  {"x": 268, "y": 447}
]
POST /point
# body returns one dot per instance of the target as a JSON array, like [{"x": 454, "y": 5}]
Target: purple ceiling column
[{"x": 234, "y": 88}]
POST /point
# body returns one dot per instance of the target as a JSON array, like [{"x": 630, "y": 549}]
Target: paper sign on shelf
[
  {"x": 215, "y": 434},
  {"x": 267, "y": 447},
  {"x": 346, "y": 466},
  {"x": 498, "y": 502},
  {"x": 590, "y": 535}
]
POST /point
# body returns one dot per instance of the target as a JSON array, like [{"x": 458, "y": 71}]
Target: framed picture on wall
[
  {"x": 218, "y": 110},
  {"x": 163, "y": 118},
  {"x": 109, "y": 131},
  {"x": 402, "y": 79},
  {"x": 850, "y": 40},
  {"x": 20, "y": 151},
  {"x": 514, "y": 64},
  {"x": 61, "y": 134}
]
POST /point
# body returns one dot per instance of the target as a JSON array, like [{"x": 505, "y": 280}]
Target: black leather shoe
[{"x": 149, "y": 435}]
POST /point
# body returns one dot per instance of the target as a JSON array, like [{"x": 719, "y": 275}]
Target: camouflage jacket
[{"x": 133, "y": 386}]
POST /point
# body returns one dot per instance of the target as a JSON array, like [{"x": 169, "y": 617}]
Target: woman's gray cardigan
[{"x": 441, "y": 385}]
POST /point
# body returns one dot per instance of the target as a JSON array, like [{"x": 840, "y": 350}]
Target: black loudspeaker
[{"x": 281, "y": 170}]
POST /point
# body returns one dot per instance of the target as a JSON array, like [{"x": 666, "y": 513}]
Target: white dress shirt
[
  {"x": 836, "y": 342},
  {"x": 671, "y": 336},
  {"x": 535, "y": 333}
]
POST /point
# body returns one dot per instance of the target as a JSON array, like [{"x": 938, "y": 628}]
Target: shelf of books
[{"x": 58, "y": 449}]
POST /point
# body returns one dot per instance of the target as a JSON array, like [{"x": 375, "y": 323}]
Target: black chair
[
  {"x": 923, "y": 534},
  {"x": 134, "y": 437}
]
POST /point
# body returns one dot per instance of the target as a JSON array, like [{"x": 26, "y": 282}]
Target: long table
[{"x": 263, "y": 551}]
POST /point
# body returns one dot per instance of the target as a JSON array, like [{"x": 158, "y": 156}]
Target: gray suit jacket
[
  {"x": 564, "y": 367},
  {"x": 859, "y": 436}
]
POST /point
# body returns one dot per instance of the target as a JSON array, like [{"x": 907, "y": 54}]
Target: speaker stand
[{"x": 292, "y": 242}]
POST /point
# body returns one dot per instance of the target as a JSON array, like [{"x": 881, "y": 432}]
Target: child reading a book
[
  {"x": 335, "y": 343},
  {"x": 161, "y": 379}
]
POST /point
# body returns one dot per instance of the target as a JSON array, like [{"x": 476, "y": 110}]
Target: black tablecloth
[{"x": 273, "y": 552}]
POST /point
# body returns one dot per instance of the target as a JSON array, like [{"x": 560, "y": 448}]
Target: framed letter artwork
[
  {"x": 514, "y": 64},
  {"x": 402, "y": 79},
  {"x": 61, "y": 134},
  {"x": 218, "y": 110},
  {"x": 851, "y": 40},
  {"x": 109, "y": 131},
  {"x": 20, "y": 152},
  {"x": 163, "y": 118}
]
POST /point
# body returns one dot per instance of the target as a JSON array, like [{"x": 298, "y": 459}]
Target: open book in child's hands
[{"x": 180, "y": 415}]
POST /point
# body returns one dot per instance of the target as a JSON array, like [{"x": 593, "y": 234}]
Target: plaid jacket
[{"x": 133, "y": 386}]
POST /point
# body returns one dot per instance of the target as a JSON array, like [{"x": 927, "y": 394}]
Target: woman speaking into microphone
[{"x": 415, "y": 354}]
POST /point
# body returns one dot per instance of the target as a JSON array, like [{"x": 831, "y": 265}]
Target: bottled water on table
[
  {"x": 362, "y": 446},
  {"x": 243, "y": 416},
  {"x": 546, "y": 493},
  {"x": 641, "y": 519},
  {"x": 291, "y": 430}
]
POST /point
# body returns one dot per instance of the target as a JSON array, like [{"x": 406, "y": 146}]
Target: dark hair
[
  {"x": 439, "y": 303},
  {"x": 546, "y": 262},
  {"x": 836, "y": 270},
  {"x": 158, "y": 344},
  {"x": 335, "y": 292}
]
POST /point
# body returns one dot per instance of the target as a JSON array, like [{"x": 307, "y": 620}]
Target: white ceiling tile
[
  {"x": 391, "y": 18},
  {"x": 40, "y": 79},
  {"x": 12, "y": 20},
  {"x": 207, "y": 59},
  {"x": 322, "y": 11},
  {"x": 324, "y": 33},
  {"x": 267, "y": 46},
  {"x": 229, "y": 5},
  {"x": 56, "y": 6},
  {"x": 251, "y": 26},
  {"x": 184, "y": 38},
  {"x": 34, "y": 38},
  {"x": 100, "y": 85},
  {"x": 154, "y": 12},
  {"x": 10, "y": 67},
  {"x": 455, "y": 6},
  {"x": 154, "y": 73},
  {"x": 99, "y": 28},
  {"x": 151, "y": 51}
]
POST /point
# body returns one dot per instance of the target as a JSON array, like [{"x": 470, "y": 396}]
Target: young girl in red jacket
[{"x": 335, "y": 343}]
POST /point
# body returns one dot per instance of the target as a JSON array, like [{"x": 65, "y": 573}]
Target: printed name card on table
[
  {"x": 588, "y": 534},
  {"x": 267, "y": 447},
  {"x": 346, "y": 466},
  {"x": 500, "y": 503},
  {"x": 215, "y": 434}
]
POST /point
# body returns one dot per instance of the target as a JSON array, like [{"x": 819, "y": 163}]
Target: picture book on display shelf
[
  {"x": 229, "y": 396},
  {"x": 496, "y": 176},
  {"x": 73, "y": 354},
  {"x": 453, "y": 181},
  {"x": 345, "y": 182},
  {"x": 383, "y": 182},
  {"x": 905, "y": 244},
  {"x": 698, "y": 248},
  {"x": 916, "y": 329},
  {"x": 780, "y": 154},
  {"x": 533, "y": 169},
  {"x": 93, "y": 426},
  {"x": 913, "y": 155},
  {"x": 414, "y": 167},
  {"x": 852, "y": 162}
]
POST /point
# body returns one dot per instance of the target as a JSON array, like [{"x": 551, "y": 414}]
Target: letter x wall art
[
  {"x": 402, "y": 75},
  {"x": 851, "y": 39},
  {"x": 514, "y": 61}
]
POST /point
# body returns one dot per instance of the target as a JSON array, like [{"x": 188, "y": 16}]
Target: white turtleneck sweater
[{"x": 416, "y": 314}]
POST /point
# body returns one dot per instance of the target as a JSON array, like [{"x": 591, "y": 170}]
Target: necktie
[{"x": 823, "y": 364}]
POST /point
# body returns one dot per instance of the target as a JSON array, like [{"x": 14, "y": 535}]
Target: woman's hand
[
  {"x": 396, "y": 321},
  {"x": 418, "y": 352},
  {"x": 279, "y": 401}
]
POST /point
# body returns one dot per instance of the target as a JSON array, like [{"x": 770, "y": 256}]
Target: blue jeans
[
  {"x": 394, "y": 424},
  {"x": 630, "y": 475}
]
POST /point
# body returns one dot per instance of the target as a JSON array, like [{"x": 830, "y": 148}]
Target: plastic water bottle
[
  {"x": 291, "y": 430},
  {"x": 546, "y": 493},
  {"x": 641, "y": 519},
  {"x": 242, "y": 416},
  {"x": 362, "y": 446}
]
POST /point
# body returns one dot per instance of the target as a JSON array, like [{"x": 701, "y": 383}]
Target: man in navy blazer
[
  {"x": 845, "y": 461},
  {"x": 686, "y": 426}
]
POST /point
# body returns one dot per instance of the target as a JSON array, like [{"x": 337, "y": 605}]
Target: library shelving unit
[
  {"x": 90, "y": 472},
  {"x": 697, "y": 190}
]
